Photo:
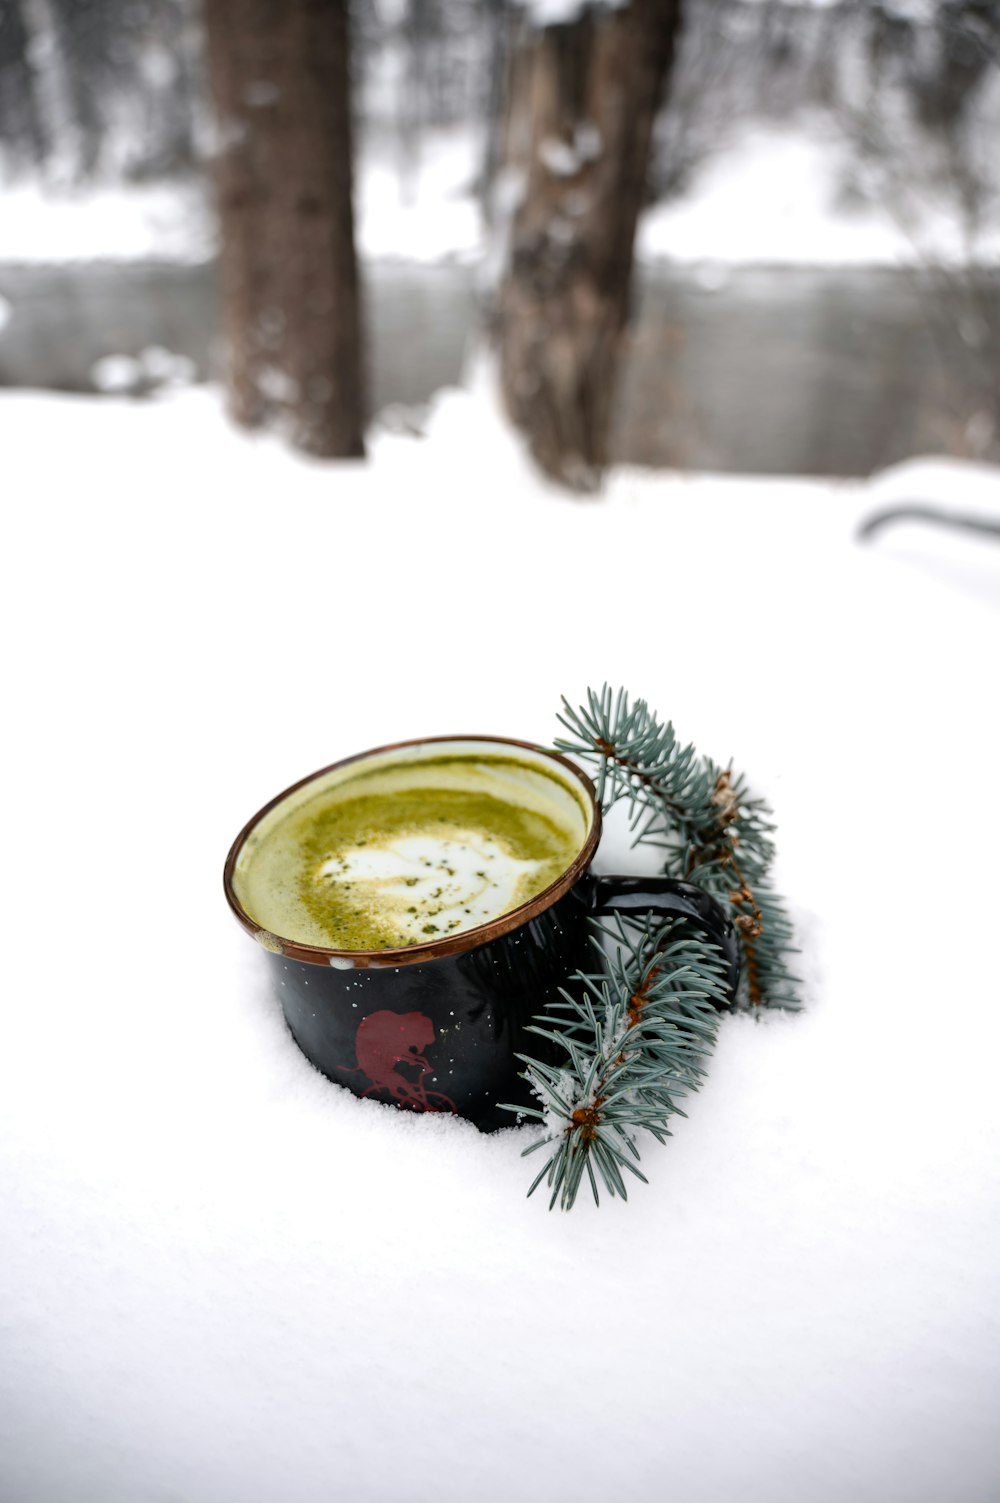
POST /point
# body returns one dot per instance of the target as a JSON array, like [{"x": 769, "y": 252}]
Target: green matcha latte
[{"x": 410, "y": 847}]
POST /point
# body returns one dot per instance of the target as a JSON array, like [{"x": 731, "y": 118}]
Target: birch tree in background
[
  {"x": 279, "y": 76},
  {"x": 583, "y": 98}
]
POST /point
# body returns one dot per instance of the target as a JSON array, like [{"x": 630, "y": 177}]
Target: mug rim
[{"x": 468, "y": 939}]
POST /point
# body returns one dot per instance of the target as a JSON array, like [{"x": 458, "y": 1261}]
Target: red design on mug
[{"x": 387, "y": 1040}]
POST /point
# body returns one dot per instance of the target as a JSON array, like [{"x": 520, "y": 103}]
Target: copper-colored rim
[{"x": 469, "y": 939}]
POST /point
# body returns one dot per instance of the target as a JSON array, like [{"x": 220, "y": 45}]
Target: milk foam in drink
[{"x": 401, "y": 850}]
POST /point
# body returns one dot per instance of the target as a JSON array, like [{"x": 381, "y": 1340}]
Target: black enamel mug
[{"x": 438, "y": 1026}]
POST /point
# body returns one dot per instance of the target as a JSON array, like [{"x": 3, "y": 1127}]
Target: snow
[
  {"x": 767, "y": 195},
  {"x": 427, "y": 212},
  {"x": 772, "y": 196},
  {"x": 561, "y": 12},
  {"x": 564, "y": 158},
  {"x": 154, "y": 367},
  {"x": 225, "y": 1278},
  {"x": 154, "y": 222}
]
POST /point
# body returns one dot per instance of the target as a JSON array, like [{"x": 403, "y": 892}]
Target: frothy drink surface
[{"x": 410, "y": 852}]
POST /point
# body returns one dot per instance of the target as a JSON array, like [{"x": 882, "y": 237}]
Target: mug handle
[{"x": 669, "y": 898}]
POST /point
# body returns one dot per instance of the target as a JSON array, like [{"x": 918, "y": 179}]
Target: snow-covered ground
[
  {"x": 774, "y": 195},
  {"x": 225, "y": 1279},
  {"x": 768, "y": 195},
  {"x": 152, "y": 222},
  {"x": 429, "y": 213}
]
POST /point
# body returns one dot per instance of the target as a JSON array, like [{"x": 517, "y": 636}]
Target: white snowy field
[
  {"x": 225, "y": 1279},
  {"x": 770, "y": 195},
  {"x": 774, "y": 195}
]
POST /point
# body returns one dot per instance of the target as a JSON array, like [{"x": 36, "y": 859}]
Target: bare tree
[
  {"x": 279, "y": 77},
  {"x": 583, "y": 99},
  {"x": 21, "y": 128}
]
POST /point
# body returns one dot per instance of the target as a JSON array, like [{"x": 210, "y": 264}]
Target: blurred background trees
[
  {"x": 582, "y": 103},
  {"x": 283, "y": 166},
  {"x": 902, "y": 95},
  {"x": 92, "y": 88}
]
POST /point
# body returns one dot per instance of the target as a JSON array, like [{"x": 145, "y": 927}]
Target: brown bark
[
  {"x": 584, "y": 98},
  {"x": 279, "y": 73}
]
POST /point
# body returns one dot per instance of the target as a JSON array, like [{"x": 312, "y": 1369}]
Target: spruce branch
[
  {"x": 635, "y": 1037},
  {"x": 702, "y": 816},
  {"x": 638, "y": 759}
]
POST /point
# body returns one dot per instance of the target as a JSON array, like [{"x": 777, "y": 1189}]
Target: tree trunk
[
  {"x": 584, "y": 97},
  {"x": 20, "y": 125},
  {"x": 280, "y": 80}
]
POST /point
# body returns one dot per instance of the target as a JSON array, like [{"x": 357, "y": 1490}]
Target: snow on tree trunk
[
  {"x": 291, "y": 303},
  {"x": 583, "y": 99}
]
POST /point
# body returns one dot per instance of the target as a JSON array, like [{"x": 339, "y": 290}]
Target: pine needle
[{"x": 637, "y": 1032}]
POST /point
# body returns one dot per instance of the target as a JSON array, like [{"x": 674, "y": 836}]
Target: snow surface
[
  {"x": 154, "y": 367},
  {"x": 768, "y": 195},
  {"x": 771, "y": 195},
  {"x": 429, "y": 212},
  {"x": 562, "y": 12},
  {"x": 155, "y": 222},
  {"x": 226, "y": 1279}
]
